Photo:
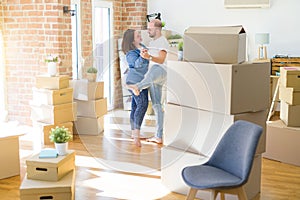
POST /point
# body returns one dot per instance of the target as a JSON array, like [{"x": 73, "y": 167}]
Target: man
[{"x": 155, "y": 78}]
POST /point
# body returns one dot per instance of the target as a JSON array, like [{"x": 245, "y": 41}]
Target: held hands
[{"x": 145, "y": 54}]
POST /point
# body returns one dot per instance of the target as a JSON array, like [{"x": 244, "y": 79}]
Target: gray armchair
[{"x": 229, "y": 167}]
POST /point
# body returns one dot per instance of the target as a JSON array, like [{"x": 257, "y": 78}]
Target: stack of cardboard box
[
  {"x": 283, "y": 135},
  {"x": 52, "y": 105},
  {"x": 49, "y": 178},
  {"x": 205, "y": 99},
  {"x": 91, "y": 107}
]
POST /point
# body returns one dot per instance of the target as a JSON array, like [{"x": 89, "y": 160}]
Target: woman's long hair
[{"x": 127, "y": 42}]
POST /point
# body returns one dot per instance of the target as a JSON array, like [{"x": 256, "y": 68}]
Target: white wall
[{"x": 281, "y": 20}]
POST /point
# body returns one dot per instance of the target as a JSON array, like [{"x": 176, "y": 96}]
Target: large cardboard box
[
  {"x": 199, "y": 131},
  {"x": 44, "y": 129},
  {"x": 290, "y": 77},
  {"x": 9, "y": 155},
  {"x": 174, "y": 160},
  {"x": 54, "y": 114},
  {"x": 85, "y": 90},
  {"x": 282, "y": 143},
  {"x": 224, "y": 44},
  {"x": 93, "y": 108},
  {"x": 290, "y": 114},
  {"x": 289, "y": 95},
  {"x": 37, "y": 190},
  {"x": 223, "y": 88},
  {"x": 52, "y": 82},
  {"x": 52, "y": 97},
  {"x": 89, "y": 126},
  {"x": 50, "y": 169}
]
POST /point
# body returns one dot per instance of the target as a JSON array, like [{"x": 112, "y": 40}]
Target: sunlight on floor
[{"x": 123, "y": 186}]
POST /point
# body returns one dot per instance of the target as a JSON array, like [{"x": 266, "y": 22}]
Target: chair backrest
[{"x": 235, "y": 152}]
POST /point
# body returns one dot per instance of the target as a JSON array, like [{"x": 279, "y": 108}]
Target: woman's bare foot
[
  {"x": 137, "y": 142},
  {"x": 134, "y": 89}
]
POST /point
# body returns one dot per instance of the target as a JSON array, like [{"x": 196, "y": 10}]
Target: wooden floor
[{"x": 110, "y": 167}]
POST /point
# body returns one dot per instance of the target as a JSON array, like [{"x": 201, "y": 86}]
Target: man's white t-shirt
[{"x": 157, "y": 45}]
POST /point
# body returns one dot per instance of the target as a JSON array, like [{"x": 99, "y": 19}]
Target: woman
[{"x": 138, "y": 66}]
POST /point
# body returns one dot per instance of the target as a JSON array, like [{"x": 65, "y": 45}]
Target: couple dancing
[{"x": 147, "y": 72}]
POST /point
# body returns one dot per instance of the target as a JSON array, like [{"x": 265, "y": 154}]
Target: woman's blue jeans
[
  {"x": 154, "y": 79},
  {"x": 139, "y": 105}
]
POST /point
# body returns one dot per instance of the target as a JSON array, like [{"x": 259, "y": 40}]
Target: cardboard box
[
  {"x": 9, "y": 155},
  {"x": 200, "y": 131},
  {"x": 85, "y": 90},
  {"x": 290, "y": 114},
  {"x": 289, "y": 95},
  {"x": 54, "y": 114},
  {"x": 282, "y": 143},
  {"x": 93, "y": 108},
  {"x": 36, "y": 189},
  {"x": 89, "y": 126},
  {"x": 52, "y": 97},
  {"x": 222, "y": 88},
  {"x": 224, "y": 44},
  {"x": 290, "y": 77},
  {"x": 44, "y": 129},
  {"x": 50, "y": 169},
  {"x": 174, "y": 160},
  {"x": 52, "y": 82}
]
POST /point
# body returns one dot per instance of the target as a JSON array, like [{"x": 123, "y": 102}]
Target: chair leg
[
  {"x": 213, "y": 194},
  {"x": 242, "y": 194},
  {"x": 191, "y": 194},
  {"x": 222, "y": 196}
]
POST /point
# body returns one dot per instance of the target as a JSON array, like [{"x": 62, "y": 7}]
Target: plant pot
[
  {"x": 180, "y": 55},
  {"x": 91, "y": 77},
  {"x": 61, "y": 148},
  {"x": 52, "y": 68}
]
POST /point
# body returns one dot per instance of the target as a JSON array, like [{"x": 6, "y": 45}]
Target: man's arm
[{"x": 160, "y": 59}]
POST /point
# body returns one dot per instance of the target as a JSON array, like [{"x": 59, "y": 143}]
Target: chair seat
[{"x": 208, "y": 177}]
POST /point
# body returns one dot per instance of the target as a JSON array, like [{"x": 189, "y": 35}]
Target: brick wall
[{"x": 33, "y": 30}]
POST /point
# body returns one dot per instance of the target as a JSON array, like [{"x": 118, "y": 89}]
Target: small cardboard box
[
  {"x": 174, "y": 160},
  {"x": 282, "y": 143},
  {"x": 86, "y": 91},
  {"x": 52, "y": 97},
  {"x": 224, "y": 44},
  {"x": 289, "y": 95},
  {"x": 199, "y": 131},
  {"x": 44, "y": 130},
  {"x": 290, "y": 77},
  {"x": 94, "y": 108},
  {"x": 9, "y": 155},
  {"x": 89, "y": 126},
  {"x": 290, "y": 114},
  {"x": 222, "y": 88},
  {"x": 50, "y": 169},
  {"x": 54, "y": 114},
  {"x": 52, "y": 82},
  {"x": 37, "y": 190}
]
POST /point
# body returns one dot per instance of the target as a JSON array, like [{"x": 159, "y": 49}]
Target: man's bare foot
[
  {"x": 134, "y": 89},
  {"x": 155, "y": 140},
  {"x": 137, "y": 142}
]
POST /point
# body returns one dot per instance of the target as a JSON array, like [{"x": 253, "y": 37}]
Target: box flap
[
  {"x": 65, "y": 184},
  {"x": 215, "y": 29}
]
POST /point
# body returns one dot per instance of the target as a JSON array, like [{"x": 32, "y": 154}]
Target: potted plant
[
  {"x": 91, "y": 74},
  {"x": 52, "y": 60},
  {"x": 60, "y": 136},
  {"x": 180, "y": 50}
]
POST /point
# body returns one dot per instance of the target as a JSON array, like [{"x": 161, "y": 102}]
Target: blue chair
[{"x": 229, "y": 167}]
